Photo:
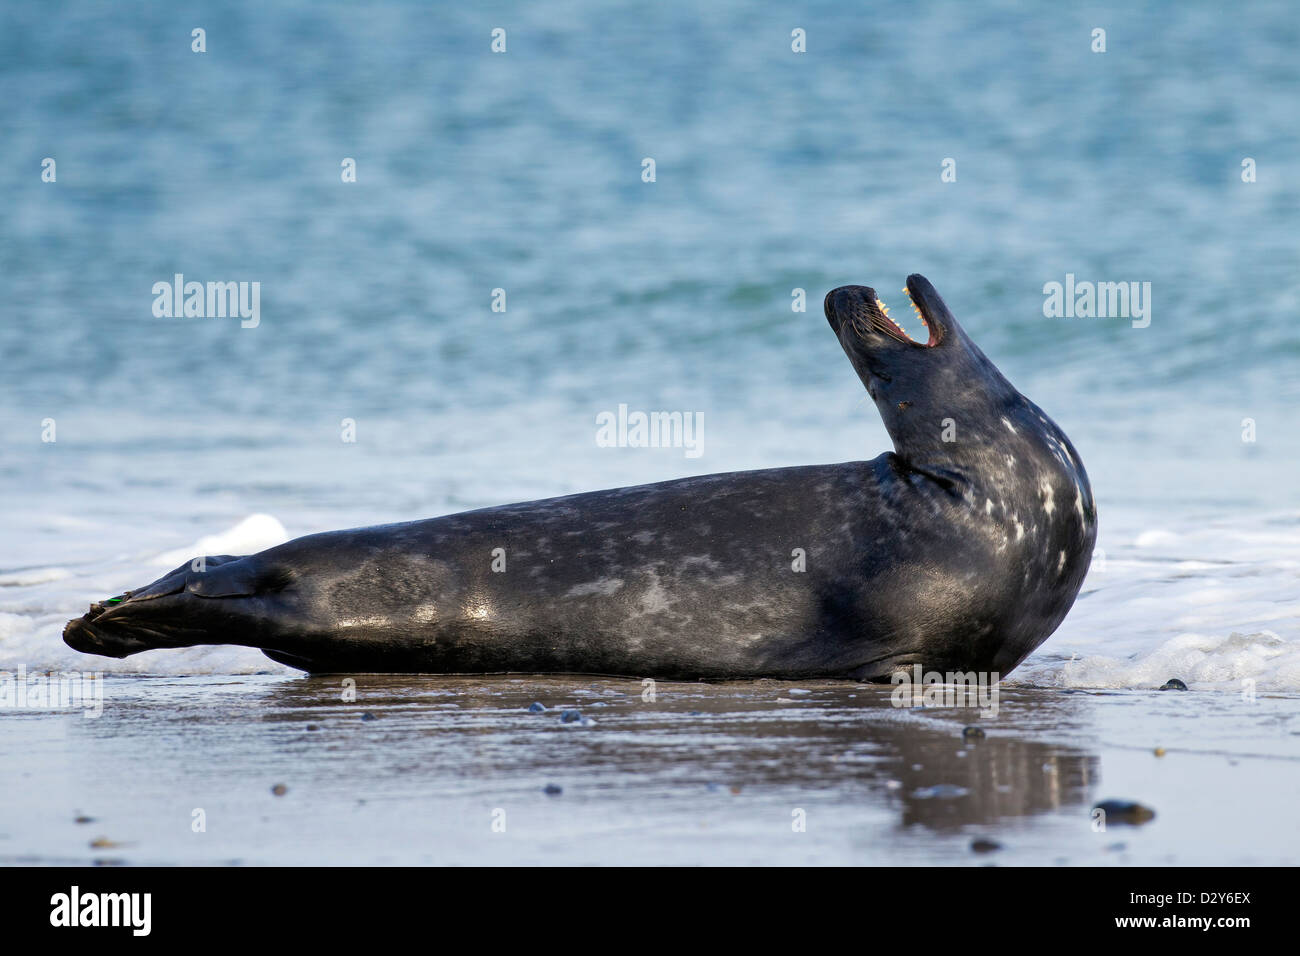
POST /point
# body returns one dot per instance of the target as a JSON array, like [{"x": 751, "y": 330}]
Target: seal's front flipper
[{"x": 309, "y": 664}]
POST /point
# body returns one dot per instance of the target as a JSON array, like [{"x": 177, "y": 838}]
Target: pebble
[
  {"x": 985, "y": 846},
  {"x": 972, "y": 733},
  {"x": 84, "y": 819},
  {"x": 1125, "y": 811},
  {"x": 536, "y": 707},
  {"x": 552, "y": 790},
  {"x": 941, "y": 791},
  {"x": 1159, "y": 751},
  {"x": 279, "y": 790},
  {"x": 570, "y": 716},
  {"x": 368, "y": 716}
]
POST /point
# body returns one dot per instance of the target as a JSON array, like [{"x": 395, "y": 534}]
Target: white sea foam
[
  {"x": 1258, "y": 662},
  {"x": 255, "y": 533},
  {"x": 1213, "y": 604}
]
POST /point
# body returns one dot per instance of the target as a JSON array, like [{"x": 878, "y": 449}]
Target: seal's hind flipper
[{"x": 198, "y": 603}]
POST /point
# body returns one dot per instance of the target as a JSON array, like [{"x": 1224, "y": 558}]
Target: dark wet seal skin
[{"x": 961, "y": 550}]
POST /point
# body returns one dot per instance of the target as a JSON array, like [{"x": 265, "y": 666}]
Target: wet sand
[{"x": 430, "y": 770}]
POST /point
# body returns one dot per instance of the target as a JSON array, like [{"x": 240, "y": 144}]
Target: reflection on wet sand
[{"x": 841, "y": 740}]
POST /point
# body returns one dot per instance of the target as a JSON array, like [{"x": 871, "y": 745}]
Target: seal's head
[
  {"x": 1011, "y": 491},
  {"x": 916, "y": 385}
]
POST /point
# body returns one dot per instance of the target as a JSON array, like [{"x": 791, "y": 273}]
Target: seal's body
[{"x": 960, "y": 551}]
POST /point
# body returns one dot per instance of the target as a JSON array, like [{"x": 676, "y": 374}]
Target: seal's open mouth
[
  {"x": 934, "y": 331},
  {"x": 864, "y": 311}
]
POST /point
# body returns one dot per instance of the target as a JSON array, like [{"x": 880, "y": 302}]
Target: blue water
[{"x": 522, "y": 171}]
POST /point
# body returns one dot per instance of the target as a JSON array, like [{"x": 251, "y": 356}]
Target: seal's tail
[{"x": 194, "y": 604}]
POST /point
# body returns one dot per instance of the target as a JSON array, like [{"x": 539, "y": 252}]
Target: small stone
[
  {"x": 552, "y": 790},
  {"x": 1125, "y": 811},
  {"x": 312, "y": 727},
  {"x": 83, "y": 819},
  {"x": 941, "y": 791},
  {"x": 972, "y": 733},
  {"x": 536, "y": 707},
  {"x": 1173, "y": 684},
  {"x": 570, "y": 716},
  {"x": 279, "y": 790},
  {"x": 103, "y": 843},
  {"x": 985, "y": 846},
  {"x": 1159, "y": 751},
  {"x": 368, "y": 716}
]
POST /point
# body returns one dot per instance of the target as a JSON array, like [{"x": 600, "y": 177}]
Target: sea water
[{"x": 994, "y": 150}]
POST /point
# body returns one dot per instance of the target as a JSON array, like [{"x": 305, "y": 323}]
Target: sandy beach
[{"x": 455, "y": 771}]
